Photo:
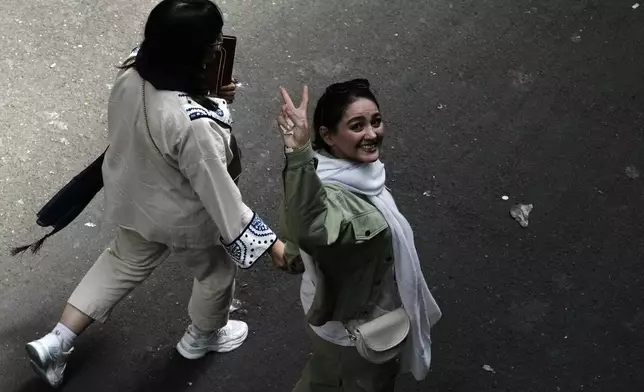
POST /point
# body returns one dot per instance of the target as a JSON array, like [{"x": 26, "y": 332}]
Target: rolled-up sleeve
[{"x": 203, "y": 156}]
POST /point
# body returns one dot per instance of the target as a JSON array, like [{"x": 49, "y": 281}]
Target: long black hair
[
  {"x": 179, "y": 42},
  {"x": 334, "y": 103}
]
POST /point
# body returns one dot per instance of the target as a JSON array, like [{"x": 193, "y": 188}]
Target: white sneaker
[
  {"x": 194, "y": 345},
  {"x": 48, "y": 359}
]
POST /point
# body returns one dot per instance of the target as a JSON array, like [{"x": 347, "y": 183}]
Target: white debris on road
[
  {"x": 520, "y": 213},
  {"x": 90, "y": 224},
  {"x": 632, "y": 172},
  {"x": 235, "y": 305},
  {"x": 488, "y": 368}
]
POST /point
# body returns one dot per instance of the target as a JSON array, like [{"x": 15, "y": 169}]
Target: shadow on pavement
[
  {"x": 34, "y": 385},
  {"x": 20, "y": 334},
  {"x": 172, "y": 372}
]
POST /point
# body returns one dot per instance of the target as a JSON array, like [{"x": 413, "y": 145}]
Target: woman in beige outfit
[{"x": 170, "y": 188}]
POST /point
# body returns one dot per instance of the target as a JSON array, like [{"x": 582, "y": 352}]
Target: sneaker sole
[
  {"x": 189, "y": 353},
  {"x": 36, "y": 362},
  {"x": 34, "y": 355}
]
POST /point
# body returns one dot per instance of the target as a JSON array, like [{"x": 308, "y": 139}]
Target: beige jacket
[{"x": 180, "y": 195}]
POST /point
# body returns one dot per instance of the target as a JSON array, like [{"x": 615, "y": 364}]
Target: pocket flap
[
  {"x": 368, "y": 225},
  {"x": 386, "y": 331}
]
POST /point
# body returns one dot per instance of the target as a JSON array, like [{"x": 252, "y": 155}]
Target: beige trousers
[{"x": 130, "y": 259}]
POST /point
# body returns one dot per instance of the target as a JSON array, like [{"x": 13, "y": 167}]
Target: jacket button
[
  {"x": 389, "y": 259},
  {"x": 368, "y": 232}
]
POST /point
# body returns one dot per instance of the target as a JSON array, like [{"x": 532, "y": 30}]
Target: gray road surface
[{"x": 537, "y": 100}]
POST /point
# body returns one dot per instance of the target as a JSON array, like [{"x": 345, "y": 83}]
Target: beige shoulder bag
[{"x": 381, "y": 339}]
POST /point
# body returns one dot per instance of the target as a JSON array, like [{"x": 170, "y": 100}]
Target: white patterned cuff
[{"x": 252, "y": 243}]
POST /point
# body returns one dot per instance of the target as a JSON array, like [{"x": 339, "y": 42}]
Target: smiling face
[{"x": 359, "y": 134}]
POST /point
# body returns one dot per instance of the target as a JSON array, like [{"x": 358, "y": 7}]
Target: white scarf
[{"x": 369, "y": 179}]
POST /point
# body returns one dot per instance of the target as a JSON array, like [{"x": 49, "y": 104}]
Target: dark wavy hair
[
  {"x": 179, "y": 41},
  {"x": 334, "y": 103}
]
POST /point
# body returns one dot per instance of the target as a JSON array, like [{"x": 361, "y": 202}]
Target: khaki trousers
[
  {"x": 130, "y": 259},
  {"x": 334, "y": 368}
]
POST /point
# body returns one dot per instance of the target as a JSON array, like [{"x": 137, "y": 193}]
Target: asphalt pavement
[{"x": 538, "y": 101}]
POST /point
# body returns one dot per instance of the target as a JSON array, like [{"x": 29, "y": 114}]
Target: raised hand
[{"x": 293, "y": 121}]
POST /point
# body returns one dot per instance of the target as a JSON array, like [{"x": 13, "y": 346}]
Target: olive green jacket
[{"x": 347, "y": 237}]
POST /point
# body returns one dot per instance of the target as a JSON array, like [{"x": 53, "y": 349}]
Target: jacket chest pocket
[{"x": 368, "y": 225}]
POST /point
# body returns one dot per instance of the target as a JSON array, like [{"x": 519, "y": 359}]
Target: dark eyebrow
[{"x": 357, "y": 118}]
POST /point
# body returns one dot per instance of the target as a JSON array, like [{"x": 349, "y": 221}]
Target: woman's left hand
[
  {"x": 277, "y": 254},
  {"x": 228, "y": 92}
]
